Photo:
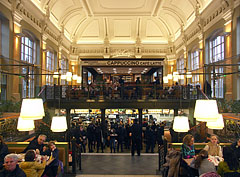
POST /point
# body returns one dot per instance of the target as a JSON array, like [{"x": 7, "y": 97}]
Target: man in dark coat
[
  {"x": 136, "y": 133},
  {"x": 236, "y": 147},
  {"x": 11, "y": 168},
  {"x": 3, "y": 151},
  {"x": 36, "y": 144}
]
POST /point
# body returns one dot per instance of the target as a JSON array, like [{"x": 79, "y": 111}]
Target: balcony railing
[{"x": 126, "y": 92}]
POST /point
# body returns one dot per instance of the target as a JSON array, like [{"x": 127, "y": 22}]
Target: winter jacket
[{"x": 33, "y": 169}]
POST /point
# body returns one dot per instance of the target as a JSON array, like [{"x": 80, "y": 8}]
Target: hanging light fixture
[
  {"x": 55, "y": 75},
  {"x": 189, "y": 75},
  {"x": 75, "y": 76},
  {"x": 165, "y": 79},
  {"x": 206, "y": 110},
  {"x": 79, "y": 79},
  {"x": 63, "y": 77},
  {"x": 25, "y": 124},
  {"x": 219, "y": 124},
  {"x": 32, "y": 108},
  {"x": 182, "y": 77},
  {"x": 69, "y": 76},
  {"x": 181, "y": 124},
  {"x": 169, "y": 76},
  {"x": 59, "y": 124}
]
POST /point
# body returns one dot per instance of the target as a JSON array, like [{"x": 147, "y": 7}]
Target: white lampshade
[
  {"x": 69, "y": 76},
  {"x": 175, "y": 78},
  {"x": 189, "y": 75},
  {"x": 56, "y": 75},
  {"x": 32, "y": 108},
  {"x": 75, "y": 76},
  {"x": 219, "y": 124},
  {"x": 169, "y": 76},
  {"x": 206, "y": 110},
  {"x": 165, "y": 79},
  {"x": 182, "y": 77},
  {"x": 79, "y": 79},
  {"x": 63, "y": 77},
  {"x": 175, "y": 73},
  {"x": 181, "y": 124},
  {"x": 59, "y": 124},
  {"x": 25, "y": 124}
]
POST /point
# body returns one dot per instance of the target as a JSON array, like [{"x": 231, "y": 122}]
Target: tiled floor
[{"x": 119, "y": 164}]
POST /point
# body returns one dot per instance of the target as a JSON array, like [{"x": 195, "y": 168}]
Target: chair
[{"x": 232, "y": 174}]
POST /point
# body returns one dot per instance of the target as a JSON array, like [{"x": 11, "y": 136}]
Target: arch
[
  {"x": 69, "y": 14},
  {"x": 177, "y": 14}
]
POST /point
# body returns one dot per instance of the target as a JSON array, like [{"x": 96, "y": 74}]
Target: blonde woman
[{"x": 213, "y": 148}]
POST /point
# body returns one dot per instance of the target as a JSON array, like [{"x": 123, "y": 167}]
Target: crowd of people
[{"x": 118, "y": 136}]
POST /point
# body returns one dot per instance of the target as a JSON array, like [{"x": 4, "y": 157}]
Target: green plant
[
  {"x": 10, "y": 106},
  {"x": 224, "y": 105},
  {"x": 235, "y": 106}
]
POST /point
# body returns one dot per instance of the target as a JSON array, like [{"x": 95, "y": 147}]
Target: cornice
[{"x": 7, "y": 3}]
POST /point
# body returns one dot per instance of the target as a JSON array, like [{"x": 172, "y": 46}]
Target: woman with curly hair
[{"x": 187, "y": 149}]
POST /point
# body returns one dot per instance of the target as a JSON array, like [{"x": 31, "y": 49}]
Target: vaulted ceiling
[{"x": 121, "y": 21}]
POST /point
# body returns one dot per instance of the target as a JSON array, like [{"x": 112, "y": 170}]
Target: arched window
[
  {"x": 28, "y": 55},
  {"x": 50, "y": 65},
  {"x": 216, "y": 54},
  {"x": 181, "y": 68}
]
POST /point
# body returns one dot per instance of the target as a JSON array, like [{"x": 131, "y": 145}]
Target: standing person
[
  {"x": 3, "y": 151},
  {"x": 138, "y": 88},
  {"x": 30, "y": 166},
  {"x": 236, "y": 148},
  {"x": 213, "y": 148},
  {"x": 37, "y": 144},
  {"x": 52, "y": 151},
  {"x": 113, "y": 140},
  {"x": 149, "y": 139},
  {"x": 11, "y": 167},
  {"x": 207, "y": 89},
  {"x": 120, "y": 137},
  {"x": 121, "y": 82},
  {"x": 230, "y": 163},
  {"x": 90, "y": 136},
  {"x": 160, "y": 133},
  {"x": 136, "y": 137},
  {"x": 99, "y": 137},
  {"x": 187, "y": 149},
  {"x": 202, "y": 163},
  {"x": 81, "y": 138}
]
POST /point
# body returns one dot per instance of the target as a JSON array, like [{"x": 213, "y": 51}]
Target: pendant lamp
[
  {"x": 32, "y": 108},
  {"x": 219, "y": 124},
  {"x": 25, "y": 124},
  {"x": 206, "y": 111},
  {"x": 59, "y": 124},
  {"x": 165, "y": 79},
  {"x": 181, "y": 124}
]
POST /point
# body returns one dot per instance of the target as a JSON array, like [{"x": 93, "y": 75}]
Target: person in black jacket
[
  {"x": 236, "y": 148},
  {"x": 37, "y": 144},
  {"x": 3, "y": 151},
  {"x": 136, "y": 133},
  {"x": 53, "y": 153},
  {"x": 11, "y": 168}
]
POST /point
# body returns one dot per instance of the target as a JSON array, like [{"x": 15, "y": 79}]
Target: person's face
[
  {"x": 10, "y": 164},
  {"x": 52, "y": 146},
  {"x": 214, "y": 139},
  {"x": 191, "y": 142},
  {"x": 41, "y": 139},
  {"x": 238, "y": 142}
]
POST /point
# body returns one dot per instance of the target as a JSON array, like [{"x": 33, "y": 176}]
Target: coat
[
  {"x": 34, "y": 145},
  {"x": 18, "y": 172},
  {"x": 173, "y": 161},
  {"x": 33, "y": 169}
]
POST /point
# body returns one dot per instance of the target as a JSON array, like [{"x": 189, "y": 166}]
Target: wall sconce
[
  {"x": 165, "y": 79},
  {"x": 169, "y": 76},
  {"x": 32, "y": 109},
  {"x": 59, "y": 124},
  {"x": 63, "y": 77},
  {"x": 69, "y": 76},
  {"x": 25, "y": 124},
  {"x": 75, "y": 77},
  {"x": 79, "y": 79},
  {"x": 189, "y": 75}
]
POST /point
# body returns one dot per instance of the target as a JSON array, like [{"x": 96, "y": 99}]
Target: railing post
[
  {"x": 73, "y": 155},
  {"x": 80, "y": 158}
]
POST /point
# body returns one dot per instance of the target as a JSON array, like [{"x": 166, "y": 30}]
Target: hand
[
  {"x": 44, "y": 148},
  {"x": 37, "y": 151}
]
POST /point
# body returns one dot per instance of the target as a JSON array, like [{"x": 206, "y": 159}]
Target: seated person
[
  {"x": 3, "y": 151},
  {"x": 202, "y": 163},
  {"x": 11, "y": 168},
  {"x": 53, "y": 152},
  {"x": 236, "y": 147},
  {"x": 37, "y": 144},
  {"x": 187, "y": 149},
  {"x": 230, "y": 163},
  {"x": 30, "y": 166},
  {"x": 213, "y": 148}
]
